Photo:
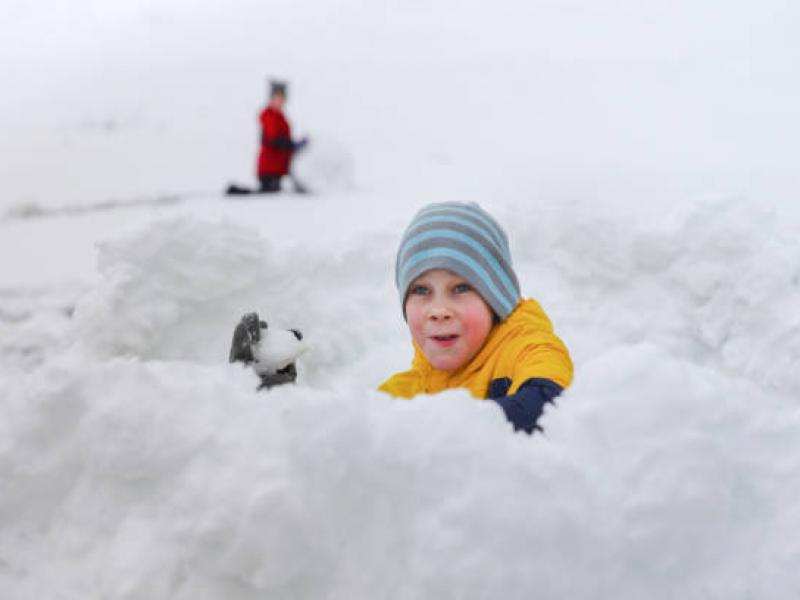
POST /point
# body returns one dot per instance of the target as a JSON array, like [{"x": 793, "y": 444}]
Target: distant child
[
  {"x": 469, "y": 324},
  {"x": 277, "y": 145}
]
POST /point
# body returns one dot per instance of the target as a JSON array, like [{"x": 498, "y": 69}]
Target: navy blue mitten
[
  {"x": 524, "y": 407},
  {"x": 300, "y": 144}
]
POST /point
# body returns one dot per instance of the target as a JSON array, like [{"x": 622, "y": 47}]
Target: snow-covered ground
[{"x": 643, "y": 160}]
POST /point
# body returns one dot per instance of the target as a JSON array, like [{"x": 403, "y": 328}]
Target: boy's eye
[
  {"x": 419, "y": 290},
  {"x": 462, "y": 288}
]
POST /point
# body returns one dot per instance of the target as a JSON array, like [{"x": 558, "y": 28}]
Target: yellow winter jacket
[{"x": 522, "y": 347}]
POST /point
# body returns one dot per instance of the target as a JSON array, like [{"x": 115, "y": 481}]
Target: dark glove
[
  {"x": 524, "y": 408},
  {"x": 278, "y": 143},
  {"x": 300, "y": 144}
]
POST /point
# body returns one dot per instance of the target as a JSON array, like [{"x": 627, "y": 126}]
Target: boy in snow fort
[{"x": 469, "y": 324}]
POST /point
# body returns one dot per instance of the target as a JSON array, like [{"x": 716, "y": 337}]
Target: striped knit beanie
[{"x": 466, "y": 240}]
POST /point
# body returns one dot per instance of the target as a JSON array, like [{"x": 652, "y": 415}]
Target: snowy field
[{"x": 644, "y": 162}]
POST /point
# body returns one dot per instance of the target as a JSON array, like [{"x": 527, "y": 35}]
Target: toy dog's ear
[
  {"x": 254, "y": 325},
  {"x": 240, "y": 345}
]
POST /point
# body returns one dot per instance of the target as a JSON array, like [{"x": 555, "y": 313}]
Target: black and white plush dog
[{"x": 271, "y": 352}]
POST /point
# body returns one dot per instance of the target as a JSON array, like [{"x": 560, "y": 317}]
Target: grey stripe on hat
[
  {"x": 458, "y": 240},
  {"x": 465, "y": 225},
  {"x": 479, "y": 216}
]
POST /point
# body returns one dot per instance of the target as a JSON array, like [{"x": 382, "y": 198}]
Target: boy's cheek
[
  {"x": 479, "y": 316},
  {"x": 416, "y": 330},
  {"x": 413, "y": 315}
]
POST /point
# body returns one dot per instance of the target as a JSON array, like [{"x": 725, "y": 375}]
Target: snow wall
[{"x": 136, "y": 463}]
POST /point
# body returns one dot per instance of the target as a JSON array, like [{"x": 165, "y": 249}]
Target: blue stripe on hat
[
  {"x": 466, "y": 260},
  {"x": 466, "y": 223},
  {"x": 476, "y": 213},
  {"x": 461, "y": 237}
]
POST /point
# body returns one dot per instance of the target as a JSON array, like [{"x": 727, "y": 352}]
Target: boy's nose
[{"x": 439, "y": 313}]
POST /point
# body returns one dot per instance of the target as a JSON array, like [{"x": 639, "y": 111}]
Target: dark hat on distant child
[
  {"x": 276, "y": 86},
  {"x": 464, "y": 239}
]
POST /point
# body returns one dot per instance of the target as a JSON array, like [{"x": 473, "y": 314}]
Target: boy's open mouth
[{"x": 445, "y": 340}]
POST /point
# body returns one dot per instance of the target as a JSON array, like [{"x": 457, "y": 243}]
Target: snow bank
[
  {"x": 147, "y": 479},
  {"x": 139, "y": 464},
  {"x": 716, "y": 282},
  {"x": 34, "y": 325}
]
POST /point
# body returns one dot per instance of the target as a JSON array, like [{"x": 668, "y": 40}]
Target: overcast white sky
[{"x": 685, "y": 89}]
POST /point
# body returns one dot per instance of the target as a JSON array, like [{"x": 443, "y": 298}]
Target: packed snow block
[
  {"x": 34, "y": 324},
  {"x": 173, "y": 290},
  {"x": 165, "y": 287},
  {"x": 715, "y": 281},
  {"x": 325, "y": 165}
]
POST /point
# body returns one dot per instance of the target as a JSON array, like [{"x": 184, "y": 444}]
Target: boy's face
[{"x": 448, "y": 319}]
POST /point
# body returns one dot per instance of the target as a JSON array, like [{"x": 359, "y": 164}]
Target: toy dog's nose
[{"x": 297, "y": 334}]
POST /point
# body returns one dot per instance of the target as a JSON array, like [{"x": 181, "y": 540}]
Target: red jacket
[{"x": 276, "y": 143}]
